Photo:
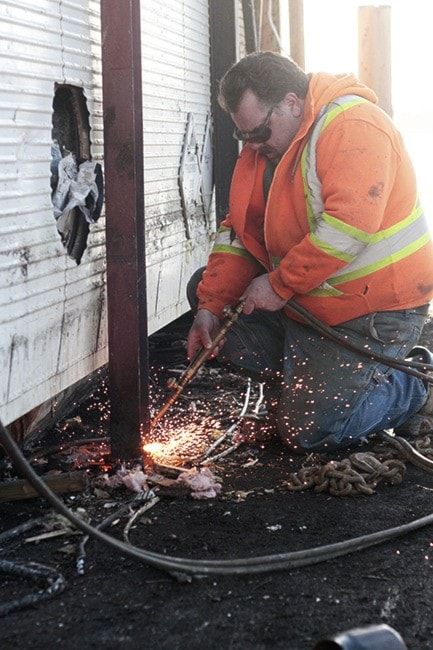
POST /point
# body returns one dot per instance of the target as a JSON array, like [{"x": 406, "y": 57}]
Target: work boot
[{"x": 421, "y": 422}]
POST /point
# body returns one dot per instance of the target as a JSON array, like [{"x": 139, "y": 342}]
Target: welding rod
[{"x": 231, "y": 315}]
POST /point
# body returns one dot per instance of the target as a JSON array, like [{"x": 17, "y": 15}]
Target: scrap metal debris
[
  {"x": 57, "y": 525},
  {"x": 153, "y": 500},
  {"x": 230, "y": 431},
  {"x": 147, "y": 497}
]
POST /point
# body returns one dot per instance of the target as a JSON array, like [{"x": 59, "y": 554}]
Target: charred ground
[{"x": 121, "y": 602}]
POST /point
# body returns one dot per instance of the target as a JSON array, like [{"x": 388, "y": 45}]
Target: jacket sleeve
[{"x": 229, "y": 271}]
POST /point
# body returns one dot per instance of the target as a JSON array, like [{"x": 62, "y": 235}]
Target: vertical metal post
[
  {"x": 250, "y": 30},
  {"x": 125, "y": 229},
  {"x": 223, "y": 55},
  {"x": 296, "y": 24},
  {"x": 270, "y": 26},
  {"x": 375, "y": 52}
]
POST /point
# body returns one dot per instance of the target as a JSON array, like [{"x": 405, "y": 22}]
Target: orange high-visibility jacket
[{"x": 342, "y": 231}]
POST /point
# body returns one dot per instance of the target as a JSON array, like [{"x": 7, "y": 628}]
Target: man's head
[{"x": 264, "y": 94}]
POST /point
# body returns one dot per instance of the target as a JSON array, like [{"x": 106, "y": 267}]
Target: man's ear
[{"x": 295, "y": 104}]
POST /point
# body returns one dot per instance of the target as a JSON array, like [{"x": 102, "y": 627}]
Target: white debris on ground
[
  {"x": 134, "y": 479},
  {"x": 202, "y": 483}
]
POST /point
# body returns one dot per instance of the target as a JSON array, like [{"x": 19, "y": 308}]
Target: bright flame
[
  {"x": 176, "y": 445},
  {"x": 153, "y": 447}
]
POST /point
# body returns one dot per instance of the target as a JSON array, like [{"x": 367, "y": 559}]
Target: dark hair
[{"x": 270, "y": 76}]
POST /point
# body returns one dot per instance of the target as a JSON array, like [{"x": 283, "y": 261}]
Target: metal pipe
[{"x": 372, "y": 637}]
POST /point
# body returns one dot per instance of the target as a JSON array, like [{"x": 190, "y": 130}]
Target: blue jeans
[{"x": 329, "y": 396}]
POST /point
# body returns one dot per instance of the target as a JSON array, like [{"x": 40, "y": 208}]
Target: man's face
[{"x": 283, "y": 123}]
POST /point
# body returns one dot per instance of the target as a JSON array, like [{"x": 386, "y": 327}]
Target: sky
[{"x": 331, "y": 44}]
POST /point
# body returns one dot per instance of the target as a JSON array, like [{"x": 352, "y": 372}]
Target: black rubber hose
[
  {"x": 55, "y": 584},
  {"x": 179, "y": 566},
  {"x": 405, "y": 365}
]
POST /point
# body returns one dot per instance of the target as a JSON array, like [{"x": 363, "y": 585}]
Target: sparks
[{"x": 177, "y": 444}]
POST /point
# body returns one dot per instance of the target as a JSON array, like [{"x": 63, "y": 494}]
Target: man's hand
[
  {"x": 260, "y": 295},
  {"x": 204, "y": 328}
]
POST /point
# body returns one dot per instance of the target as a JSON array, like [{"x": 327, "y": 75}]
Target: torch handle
[{"x": 231, "y": 316}]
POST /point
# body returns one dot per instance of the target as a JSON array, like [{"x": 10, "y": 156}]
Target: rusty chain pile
[
  {"x": 425, "y": 446},
  {"x": 360, "y": 473}
]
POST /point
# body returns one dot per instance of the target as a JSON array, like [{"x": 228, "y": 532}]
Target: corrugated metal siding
[
  {"x": 52, "y": 327},
  {"x": 176, "y": 81},
  {"x": 52, "y": 312}
]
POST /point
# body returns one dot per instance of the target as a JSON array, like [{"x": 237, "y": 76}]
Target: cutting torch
[{"x": 230, "y": 315}]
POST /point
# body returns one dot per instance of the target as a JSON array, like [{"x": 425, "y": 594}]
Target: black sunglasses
[{"x": 260, "y": 134}]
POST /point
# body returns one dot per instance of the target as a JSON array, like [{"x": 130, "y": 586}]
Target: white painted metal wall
[
  {"x": 176, "y": 82},
  {"x": 52, "y": 312},
  {"x": 52, "y": 327}
]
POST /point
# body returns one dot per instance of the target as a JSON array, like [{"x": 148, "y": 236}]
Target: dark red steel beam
[
  {"x": 125, "y": 226},
  {"x": 222, "y": 15}
]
